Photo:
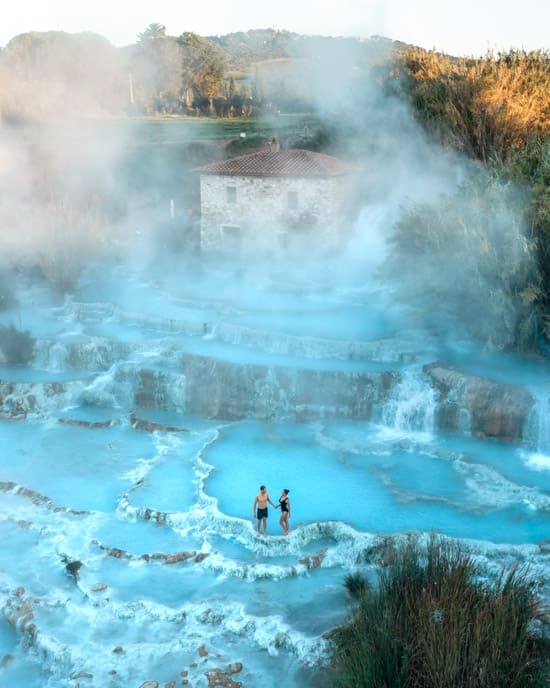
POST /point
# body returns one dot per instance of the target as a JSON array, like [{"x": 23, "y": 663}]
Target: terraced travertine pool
[{"x": 152, "y": 505}]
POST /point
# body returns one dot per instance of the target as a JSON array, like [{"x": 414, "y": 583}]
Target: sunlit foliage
[
  {"x": 496, "y": 110},
  {"x": 487, "y": 107}
]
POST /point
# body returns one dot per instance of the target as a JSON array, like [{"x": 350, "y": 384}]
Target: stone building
[{"x": 272, "y": 199}]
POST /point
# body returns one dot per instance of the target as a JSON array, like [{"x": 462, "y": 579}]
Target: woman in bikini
[{"x": 284, "y": 503}]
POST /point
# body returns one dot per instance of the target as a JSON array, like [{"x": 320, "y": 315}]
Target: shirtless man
[{"x": 262, "y": 498}]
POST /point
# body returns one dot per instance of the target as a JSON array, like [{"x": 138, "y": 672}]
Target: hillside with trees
[
  {"x": 53, "y": 73},
  {"x": 47, "y": 74},
  {"x": 493, "y": 111}
]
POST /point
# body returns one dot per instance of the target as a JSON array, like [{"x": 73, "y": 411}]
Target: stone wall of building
[{"x": 258, "y": 214}]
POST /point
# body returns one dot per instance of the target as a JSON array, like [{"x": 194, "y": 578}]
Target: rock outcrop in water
[
  {"x": 480, "y": 406},
  {"x": 91, "y": 424},
  {"x": 151, "y": 426},
  {"x": 236, "y": 389},
  {"x": 19, "y": 398},
  {"x": 224, "y": 389},
  {"x": 18, "y": 610}
]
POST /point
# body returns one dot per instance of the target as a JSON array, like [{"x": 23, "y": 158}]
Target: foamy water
[
  {"x": 170, "y": 576},
  {"x": 538, "y": 462}
]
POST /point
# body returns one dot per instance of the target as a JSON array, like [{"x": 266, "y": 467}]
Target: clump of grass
[
  {"x": 356, "y": 585},
  {"x": 16, "y": 346},
  {"x": 434, "y": 622}
]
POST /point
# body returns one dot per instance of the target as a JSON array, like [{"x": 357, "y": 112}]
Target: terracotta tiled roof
[{"x": 285, "y": 163}]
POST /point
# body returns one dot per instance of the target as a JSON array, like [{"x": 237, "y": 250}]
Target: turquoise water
[
  {"x": 75, "y": 467},
  {"x": 159, "y": 516},
  {"x": 384, "y": 489}
]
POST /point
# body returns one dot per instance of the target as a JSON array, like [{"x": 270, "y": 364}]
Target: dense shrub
[
  {"x": 495, "y": 109},
  {"x": 467, "y": 261},
  {"x": 488, "y": 107},
  {"x": 433, "y": 622},
  {"x": 16, "y": 346},
  {"x": 7, "y": 292},
  {"x": 530, "y": 166}
]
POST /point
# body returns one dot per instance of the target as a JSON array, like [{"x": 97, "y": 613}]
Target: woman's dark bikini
[{"x": 284, "y": 504}]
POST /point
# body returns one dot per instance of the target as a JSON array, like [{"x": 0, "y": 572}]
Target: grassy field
[
  {"x": 163, "y": 130},
  {"x": 182, "y": 130}
]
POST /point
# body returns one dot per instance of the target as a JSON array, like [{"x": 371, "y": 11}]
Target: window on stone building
[
  {"x": 293, "y": 200},
  {"x": 231, "y": 194}
]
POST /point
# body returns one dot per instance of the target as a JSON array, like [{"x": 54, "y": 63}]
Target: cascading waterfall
[
  {"x": 412, "y": 405},
  {"x": 115, "y": 388},
  {"x": 129, "y": 552},
  {"x": 537, "y": 431}
]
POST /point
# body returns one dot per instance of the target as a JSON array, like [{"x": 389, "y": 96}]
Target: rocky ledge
[{"x": 479, "y": 406}]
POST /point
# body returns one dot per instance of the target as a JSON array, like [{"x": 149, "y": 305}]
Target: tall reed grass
[{"x": 433, "y": 621}]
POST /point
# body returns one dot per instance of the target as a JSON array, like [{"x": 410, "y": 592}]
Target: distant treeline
[{"x": 240, "y": 74}]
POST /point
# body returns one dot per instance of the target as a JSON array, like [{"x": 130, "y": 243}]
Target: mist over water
[{"x": 166, "y": 386}]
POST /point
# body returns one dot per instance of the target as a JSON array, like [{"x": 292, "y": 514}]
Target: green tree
[
  {"x": 203, "y": 68},
  {"x": 60, "y": 72},
  {"x": 154, "y": 32},
  {"x": 155, "y": 69}
]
